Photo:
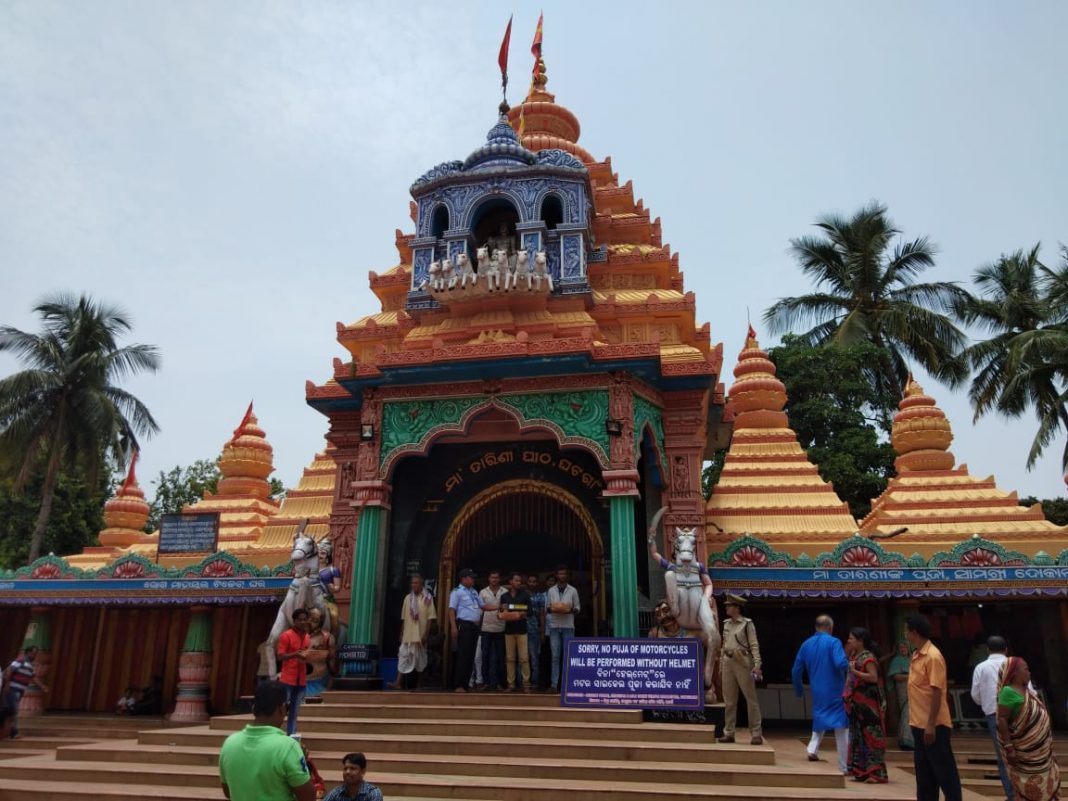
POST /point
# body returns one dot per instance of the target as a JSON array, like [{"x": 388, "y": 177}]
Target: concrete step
[
  {"x": 491, "y": 712},
  {"x": 470, "y": 745},
  {"x": 17, "y": 753},
  {"x": 62, "y": 791},
  {"x": 455, "y": 727},
  {"x": 528, "y": 765},
  {"x": 202, "y": 782},
  {"x": 469, "y": 699}
]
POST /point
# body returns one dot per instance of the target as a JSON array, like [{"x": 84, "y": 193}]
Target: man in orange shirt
[
  {"x": 936, "y": 767},
  {"x": 293, "y": 648}
]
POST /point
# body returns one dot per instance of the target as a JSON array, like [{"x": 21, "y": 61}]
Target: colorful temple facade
[{"x": 535, "y": 387}]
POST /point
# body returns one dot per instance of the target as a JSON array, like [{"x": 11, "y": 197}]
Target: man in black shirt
[{"x": 514, "y": 606}]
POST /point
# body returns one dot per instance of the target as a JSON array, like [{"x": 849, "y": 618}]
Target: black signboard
[{"x": 191, "y": 533}]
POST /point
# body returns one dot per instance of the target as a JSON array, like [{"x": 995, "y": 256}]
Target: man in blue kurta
[{"x": 823, "y": 658}]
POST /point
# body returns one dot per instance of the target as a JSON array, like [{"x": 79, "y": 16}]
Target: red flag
[
  {"x": 131, "y": 476},
  {"x": 502, "y": 57},
  {"x": 244, "y": 421},
  {"x": 535, "y": 47},
  {"x": 752, "y": 332}
]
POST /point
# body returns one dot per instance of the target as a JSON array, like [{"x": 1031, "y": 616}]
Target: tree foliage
[
  {"x": 181, "y": 486},
  {"x": 866, "y": 292},
  {"x": 1022, "y": 306},
  {"x": 76, "y": 519},
  {"x": 65, "y": 412},
  {"x": 840, "y": 417},
  {"x": 1055, "y": 509}
]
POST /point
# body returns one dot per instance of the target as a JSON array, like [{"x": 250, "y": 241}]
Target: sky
[{"x": 230, "y": 172}]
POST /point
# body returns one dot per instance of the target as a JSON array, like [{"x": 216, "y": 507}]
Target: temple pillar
[
  {"x": 39, "y": 635},
  {"x": 622, "y": 492},
  {"x": 194, "y": 669}
]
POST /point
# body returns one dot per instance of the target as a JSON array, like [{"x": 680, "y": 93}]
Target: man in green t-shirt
[{"x": 261, "y": 762}]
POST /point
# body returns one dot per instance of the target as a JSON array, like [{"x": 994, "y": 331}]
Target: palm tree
[
  {"x": 1024, "y": 364},
  {"x": 65, "y": 410},
  {"x": 867, "y": 293}
]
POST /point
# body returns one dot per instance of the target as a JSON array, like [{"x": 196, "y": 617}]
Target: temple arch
[
  {"x": 439, "y": 221},
  {"x": 552, "y": 210}
]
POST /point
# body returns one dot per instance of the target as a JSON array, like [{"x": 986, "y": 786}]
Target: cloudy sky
[{"x": 230, "y": 172}]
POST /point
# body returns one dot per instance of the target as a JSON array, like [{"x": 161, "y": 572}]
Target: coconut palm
[
  {"x": 1021, "y": 304},
  {"x": 867, "y": 293},
  {"x": 65, "y": 410}
]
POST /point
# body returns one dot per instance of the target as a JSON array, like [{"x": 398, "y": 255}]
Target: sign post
[
  {"x": 189, "y": 533},
  {"x": 634, "y": 673}
]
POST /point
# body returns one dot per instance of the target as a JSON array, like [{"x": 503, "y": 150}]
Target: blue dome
[{"x": 502, "y": 148}]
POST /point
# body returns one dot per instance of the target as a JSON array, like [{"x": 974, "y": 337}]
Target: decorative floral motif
[
  {"x": 980, "y": 557},
  {"x": 860, "y": 556},
  {"x": 559, "y": 158},
  {"x": 442, "y": 170},
  {"x": 127, "y": 570},
  {"x": 218, "y": 568},
  {"x": 749, "y": 556},
  {"x": 48, "y": 570}
]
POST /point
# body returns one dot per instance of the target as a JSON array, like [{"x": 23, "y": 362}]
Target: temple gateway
[{"x": 534, "y": 389}]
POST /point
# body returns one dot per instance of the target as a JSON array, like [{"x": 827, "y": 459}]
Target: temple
[{"x": 535, "y": 387}]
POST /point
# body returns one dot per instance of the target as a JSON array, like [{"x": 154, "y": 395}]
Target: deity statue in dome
[{"x": 504, "y": 240}]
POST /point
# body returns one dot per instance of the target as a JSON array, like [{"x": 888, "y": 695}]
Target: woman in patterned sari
[
  {"x": 866, "y": 703},
  {"x": 1026, "y": 735}
]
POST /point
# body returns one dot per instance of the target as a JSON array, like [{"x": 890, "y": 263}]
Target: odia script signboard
[
  {"x": 195, "y": 533},
  {"x": 633, "y": 674}
]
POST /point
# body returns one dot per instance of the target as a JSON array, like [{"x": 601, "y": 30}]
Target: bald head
[{"x": 824, "y": 623}]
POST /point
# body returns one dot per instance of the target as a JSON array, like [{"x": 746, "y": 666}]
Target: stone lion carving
[
  {"x": 541, "y": 271},
  {"x": 689, "y": 594}
]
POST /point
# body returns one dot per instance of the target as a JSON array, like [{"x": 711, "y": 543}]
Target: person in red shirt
[{"x": 293, "y": 648}]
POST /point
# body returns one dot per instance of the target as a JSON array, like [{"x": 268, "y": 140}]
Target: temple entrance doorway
[
  {"x": 529, "y": 527},
  {"x": 516, "y": 501}
]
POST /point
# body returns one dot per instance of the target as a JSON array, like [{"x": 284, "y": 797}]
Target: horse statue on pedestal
[
  {"x": 521, "y": 272},
  {"x": 467, "y": 272},
  {"x": 689, "y": 595},
  {"x": 305, "y": 592},
  {"x": 541, "y": 271}
]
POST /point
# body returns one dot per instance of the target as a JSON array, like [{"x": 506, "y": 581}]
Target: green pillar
[
  {"x": 198, "y": 636},
  {"x": 624, "y": 567},
  {"x": 365, "y": 594}
]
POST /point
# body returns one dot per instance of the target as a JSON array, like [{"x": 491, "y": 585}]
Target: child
[{"x": 126, "y": 703}]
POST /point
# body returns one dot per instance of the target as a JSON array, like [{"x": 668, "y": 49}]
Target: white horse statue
[
  {"x": 448, "y": 272},
  {"x": 521, "y": 272},
  {"x": 467, "y": 272},
  {"x": 489, "y": 268},
  {"x": 305, "y": 592},
  {"x": 541, "y": 271},
  {"x": 689, "y": 594},
  {"x": 434, "y": 271}
]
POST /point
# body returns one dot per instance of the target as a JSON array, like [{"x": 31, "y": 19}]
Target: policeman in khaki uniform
[{"x": 740, "y": 669}]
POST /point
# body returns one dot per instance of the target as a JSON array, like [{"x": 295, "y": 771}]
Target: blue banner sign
[
  {"x": 866, "y": 575},
  {"x": 86, "y": 592},
  {"x": 633, "y": 674}
]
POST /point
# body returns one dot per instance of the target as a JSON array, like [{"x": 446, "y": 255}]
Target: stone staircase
[
  {"x": 497, "y": 747},
  {"x": 976, "y": 763}
]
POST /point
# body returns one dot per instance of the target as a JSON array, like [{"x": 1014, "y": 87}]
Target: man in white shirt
[
  {"x": 985, "y": 694},
  {"x": 492, "y": 634},
  {"x": 563, "y": 603}
]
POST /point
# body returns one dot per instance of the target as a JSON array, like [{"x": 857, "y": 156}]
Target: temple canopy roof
[
  {"x": 618, "y": 301},
  {"x": 768, "y": 487},
  {"x": 940, "y": 505}
]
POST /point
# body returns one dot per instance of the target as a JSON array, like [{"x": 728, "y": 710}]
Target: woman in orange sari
[{"x": 1026, "y": 735}]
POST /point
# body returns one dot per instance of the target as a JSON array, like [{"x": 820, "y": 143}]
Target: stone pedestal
[{"x": 194, "y": 669}]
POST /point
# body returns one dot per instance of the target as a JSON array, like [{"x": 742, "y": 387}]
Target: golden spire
[
  {"x": 247, "y": 460},
  {"x": 921, "y": 434},
  {"x": 757, "y": 396},
  {"x": 125, "y": 514}
]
